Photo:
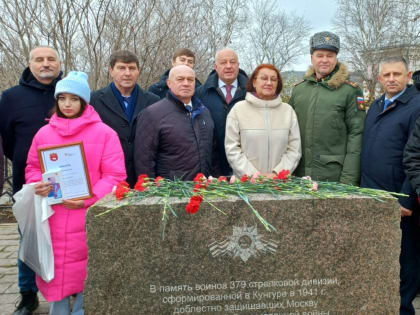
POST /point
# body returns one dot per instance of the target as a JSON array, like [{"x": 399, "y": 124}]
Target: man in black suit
[{"x": 119, "y": 103}]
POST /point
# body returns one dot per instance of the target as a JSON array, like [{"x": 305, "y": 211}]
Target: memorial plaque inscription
[{"x": 335, "y": 256}]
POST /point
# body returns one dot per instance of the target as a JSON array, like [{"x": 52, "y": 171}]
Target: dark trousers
[
  {"x": 27, "y": 280},
  {"x": 26, "y": 277},
  {"x": 410, "y": 263}
]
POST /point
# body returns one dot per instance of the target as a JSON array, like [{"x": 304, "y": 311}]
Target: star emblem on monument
[{"x": 245, "y": 242}]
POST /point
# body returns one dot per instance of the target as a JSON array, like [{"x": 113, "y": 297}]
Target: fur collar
[{"x": 337, "y": 79}]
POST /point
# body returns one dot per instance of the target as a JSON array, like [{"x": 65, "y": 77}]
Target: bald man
[{"x": 174, "y": 137}]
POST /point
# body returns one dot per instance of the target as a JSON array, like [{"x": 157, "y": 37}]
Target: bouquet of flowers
[{"x": 203, "y": 189}]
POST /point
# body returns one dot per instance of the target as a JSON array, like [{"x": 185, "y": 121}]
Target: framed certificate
[{"x": 70, "y": 161}]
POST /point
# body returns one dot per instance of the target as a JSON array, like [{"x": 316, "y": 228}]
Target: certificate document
[{"x": 71, "y": 161}]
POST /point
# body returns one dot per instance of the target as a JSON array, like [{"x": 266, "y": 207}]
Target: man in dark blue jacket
[
  {"x": 23, "y": 110},
  {"x": 389, "y": 122},
  {"x": 224, "y": 87},
  {"x": 182, "y": 56},
  {"x": 174, "y": 136}
]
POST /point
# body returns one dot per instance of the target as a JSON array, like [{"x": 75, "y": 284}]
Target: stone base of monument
[{"x": 329, "y": 256}]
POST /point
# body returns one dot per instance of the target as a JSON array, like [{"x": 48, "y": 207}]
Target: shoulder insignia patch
[
  {"x": 361, "y": 105},
  {"x": 299, "y": 83},
  {"x": 352, "y": 83}
]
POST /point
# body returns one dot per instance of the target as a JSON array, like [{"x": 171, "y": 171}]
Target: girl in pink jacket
[{"x": 74, "y": 121}]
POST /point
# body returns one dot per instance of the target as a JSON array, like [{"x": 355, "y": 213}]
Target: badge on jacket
[{"x": 361, "y": 103}]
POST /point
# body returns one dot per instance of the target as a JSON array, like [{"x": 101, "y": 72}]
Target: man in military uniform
[{"x": 331, "y": 114}]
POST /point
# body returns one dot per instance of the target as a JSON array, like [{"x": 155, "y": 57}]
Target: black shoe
[{"x": 29, "y": 302}]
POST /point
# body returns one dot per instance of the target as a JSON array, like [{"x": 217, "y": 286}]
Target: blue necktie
[
  {"x": 387, "y": 103},
  {"x": 189, "y": 108},
  {"x": 126, "y": 101}
]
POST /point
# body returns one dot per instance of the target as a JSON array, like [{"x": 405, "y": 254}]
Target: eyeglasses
[{"x": 266, "y": 79}]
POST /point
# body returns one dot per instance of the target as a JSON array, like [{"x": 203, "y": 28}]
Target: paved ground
[{"x": 9, "y": 291}]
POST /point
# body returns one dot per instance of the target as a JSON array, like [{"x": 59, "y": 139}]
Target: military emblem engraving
[{"x": 245, "y": 242}]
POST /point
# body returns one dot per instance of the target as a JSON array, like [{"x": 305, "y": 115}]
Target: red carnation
[
  {"x": 284, "y": 175},
  {"x": 199, "y": 177},
  {"x": 119, "y": 194},
  {"x": 244, "y": 178},
  {"x": 222, "y": 179},
  {"x": 198, "y": 187},
  {"x": 143, "y": 178},
  {"x": 139, "y": 186},
  {"x": 197, "y": 198},
  {"x": 194, "y": 205},
  {"x": 158, "y": 180},
  {"x": 122, "y": 189}
]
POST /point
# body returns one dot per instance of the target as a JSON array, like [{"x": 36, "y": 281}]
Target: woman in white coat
[{"x": 262, "y": 132}]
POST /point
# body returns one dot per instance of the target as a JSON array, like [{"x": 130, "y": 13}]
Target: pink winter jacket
[{"x": 106, "y": 167}]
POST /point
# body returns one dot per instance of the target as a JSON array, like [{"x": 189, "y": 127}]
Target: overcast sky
[{"x": 318, "y": 13}]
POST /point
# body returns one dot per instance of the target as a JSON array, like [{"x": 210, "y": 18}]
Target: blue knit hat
[{"x": 76, "y": 82}]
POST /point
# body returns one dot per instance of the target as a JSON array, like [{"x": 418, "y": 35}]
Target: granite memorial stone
[{"x": 328, "y": 256}]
